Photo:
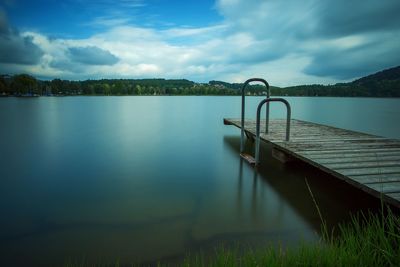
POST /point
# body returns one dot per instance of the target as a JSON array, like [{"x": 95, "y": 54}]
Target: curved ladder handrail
[
  {"x": 243, "y": 109},
  {"x": 288, "y": 117}
]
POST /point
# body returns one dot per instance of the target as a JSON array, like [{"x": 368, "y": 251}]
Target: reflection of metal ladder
[{"x": 249, "y": 158}]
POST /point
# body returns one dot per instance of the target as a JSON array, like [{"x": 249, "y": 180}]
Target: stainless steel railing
[
  {"x": 243, "y": 108},
  {"x": 288, "y": 118}
]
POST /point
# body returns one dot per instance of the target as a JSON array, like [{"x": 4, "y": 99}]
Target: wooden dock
[{"x": 368, "y": 162}]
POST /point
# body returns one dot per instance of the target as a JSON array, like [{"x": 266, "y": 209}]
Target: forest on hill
[{"x": 385, "y": 83}]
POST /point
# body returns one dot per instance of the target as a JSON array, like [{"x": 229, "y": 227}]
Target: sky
[{"x": 286, "y": 42}]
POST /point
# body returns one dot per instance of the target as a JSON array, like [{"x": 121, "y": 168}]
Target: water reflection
[
  {"x": 287, "y": 192},
  {"x": 240, "y": 190},
  {"x": 254, "y": 193},
  {"x": 261, "y": 205}
]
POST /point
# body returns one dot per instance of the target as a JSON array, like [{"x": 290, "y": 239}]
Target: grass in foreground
[
  {"x": 370, "y": 240},
  {"x": 367, "y": 240}
]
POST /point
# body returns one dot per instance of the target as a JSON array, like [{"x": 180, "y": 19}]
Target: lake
[{"x": 142, "y": 179}]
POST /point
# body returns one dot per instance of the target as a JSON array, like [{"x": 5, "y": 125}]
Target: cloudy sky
[{"x": 288, "y": 42}]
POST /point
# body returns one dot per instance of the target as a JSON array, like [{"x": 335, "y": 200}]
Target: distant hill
[
  {"x": 392, "y": 74},
  {"x": 385, "y": 83}
]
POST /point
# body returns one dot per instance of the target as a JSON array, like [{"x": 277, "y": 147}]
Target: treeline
[
  {"x": 374, "y": 89},
  {"x": 382, "y": 84},
  {"x": 26, "y": 85}
]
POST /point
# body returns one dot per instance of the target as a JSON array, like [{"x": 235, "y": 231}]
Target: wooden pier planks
[{"x": 366, "y": 161}]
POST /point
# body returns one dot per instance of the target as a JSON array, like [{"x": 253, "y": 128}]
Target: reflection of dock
[{"x": 369, "y": 162}]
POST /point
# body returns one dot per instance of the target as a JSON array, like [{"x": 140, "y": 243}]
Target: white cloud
[
  {"x": 287, "y": 42},
  {"x": 16, "y": 48},
  {"x": 108, "y": 21},
  {"x": 185, "y": 32}
]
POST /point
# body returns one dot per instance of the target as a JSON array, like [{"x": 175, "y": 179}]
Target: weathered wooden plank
[
  {"x": 334, "y": 140},
  {"x": 361, "y": 155},
  {"x": 360, "y": 165},
  {"x": 345, "y": 151},
  {"x": 342, "y": 151},
  {"x": 366, "y": 171},
  {"x": 278, "y": 124},
  {"x": 356, "y": 159},
  {"x": 332, "y": 144},
  {"x": 376, "y": 178},
  {"x": 391, "y": 187},
  {"x": 395, "y": 196},
  {"x": 249, "y": 158},
  {"x": 320, "y": 147},
  {"x": 323, "y": 139}
]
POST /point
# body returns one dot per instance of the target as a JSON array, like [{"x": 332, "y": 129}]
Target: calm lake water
[{"x": 141, "y": 179}]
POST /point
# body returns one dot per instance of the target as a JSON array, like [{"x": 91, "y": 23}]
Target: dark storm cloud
[
  {"x": 377, "y": 22},
  {"x": 3, "y": 22},
  {"x": 356, "y": 61},
  {"x": 343, "y": 17},
  {"x": 67, "y": 66},
  {"x": 16, "y": 49},
  {"x": 91, "y": 55},
  {"x": 257, "y": 55},
  {"x": 321, "y": 31}
]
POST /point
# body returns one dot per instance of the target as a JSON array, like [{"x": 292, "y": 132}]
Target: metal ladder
[
  {"x": 246, "y": 83},
  {"x": 288, "y": 118},
  {"x": 256, "y": 160}
]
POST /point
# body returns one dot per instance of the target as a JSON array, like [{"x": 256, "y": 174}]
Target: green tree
[
  {"x": 24, "y": 84},
  {"x": 3, "y": 86}
]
